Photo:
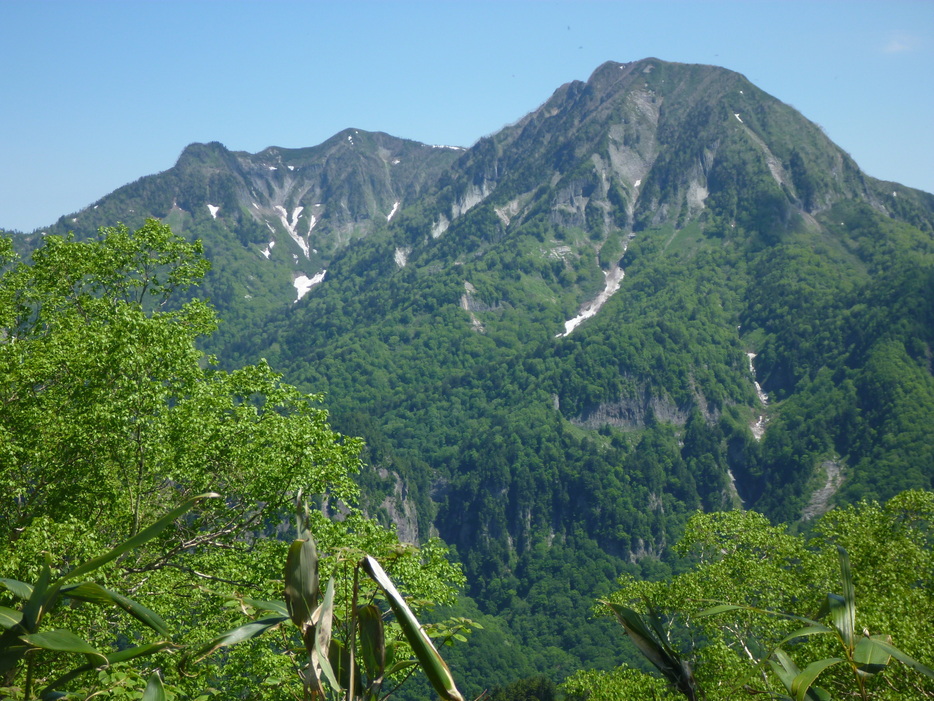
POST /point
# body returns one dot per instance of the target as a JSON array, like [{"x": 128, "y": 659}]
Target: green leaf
[
  {"x": 869, "y": 657},
  {"x": 155, "y": 691},
  {"x": 720, "y": 608},
  {"x": 20, "y": 590},
  {"x": 372, "y": 641},
  {"x": 653, "y": 645},
  {"x": 63, "y": 641},
  {"x": 393, "y": 664},
  {"x": 112, "y": 658},
  {"x": 787, "y": 671},
  {"x": 138, "y": 651},
  {"x": 322, "y": 641},
  {"x": 846, "y": 618},
  {"x": 95, "y": 593},
  {"x": 802, "y": 682},
  {"x": 902, "y": 657},
  {"x": 653, "y": 650},
  {"x": 435, "y": 668},
  {"x": 37, "y": 602},
  {"x": 301, "y": 581},
  {"x": 784, "y": 667},
  {"x": 816, "y": 629},
  {"x": 10, "y": 617},
  {"x": 237, "y": 635},
  {"x": 274, "y": 606},
  {"x": 140, "y": 538}
]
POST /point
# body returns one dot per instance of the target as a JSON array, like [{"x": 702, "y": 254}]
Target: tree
[
  {"x": 23, "y": 637},
  {"x": 352, "y": 653},
  {"x": 110, "y": 416},
  {"x": 776, "y": 585}
]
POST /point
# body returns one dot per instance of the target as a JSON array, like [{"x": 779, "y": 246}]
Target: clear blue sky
[{"x": 94, "y": 95}]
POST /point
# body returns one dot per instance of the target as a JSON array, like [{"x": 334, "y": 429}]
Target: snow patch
[
  {"x": 268, "y": 250},
  {"x": 637, "y": 183},
  {"x": 303, "y": 283},
  {"x": 614, "y": 278},
  {"x": 255, "y": 205},
  {"x": 738, "y": 117},
  {"x": 291, "y": 167},
  {"x": 758, "y": 428},
  {"x": 395, "y": 208},
  {"x": 291, "y": 225},
  {"x": 396, "y": 161},
  {"x": 763, "y": 397},
  {"x": 401, "y": 256},
  {"x": 272, "y": 168},
  {"x": 453, "y": 148},
  {"x": 213, "y": 210}
]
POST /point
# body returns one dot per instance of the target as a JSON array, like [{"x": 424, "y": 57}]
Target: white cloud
[{"x": 900, "y": 42}]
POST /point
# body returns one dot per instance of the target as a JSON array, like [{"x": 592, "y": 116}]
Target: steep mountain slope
[
  {"x": 662, "y": 290},
  {"x": 530, "y": 443},
  {"x": 271, "y": 221}
]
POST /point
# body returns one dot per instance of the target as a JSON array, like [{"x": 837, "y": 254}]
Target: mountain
[
  {"x": 271, "y": 221},
  {"x": 660, "y": 291}
]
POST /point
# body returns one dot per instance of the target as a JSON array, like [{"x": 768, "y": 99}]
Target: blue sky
[{"x": 96, "y": 94}]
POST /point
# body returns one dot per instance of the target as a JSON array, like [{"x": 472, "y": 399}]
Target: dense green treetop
[
  {"x": 110, "y": 416},
  {"x": 776, "y": 578}
]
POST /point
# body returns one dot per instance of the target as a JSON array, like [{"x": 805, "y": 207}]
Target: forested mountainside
[
  {"x": 662, "y": 291},
  {"x": 270, "y": 221}
]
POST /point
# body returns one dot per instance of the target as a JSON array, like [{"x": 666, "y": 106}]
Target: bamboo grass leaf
[
  {"x": 20, "y": 590},
  {"x": 63, "y": 641},
  {"x": 816, "y": 629},
  {"x": 10, "y": 617},
  {"x": 643, "y": 639},
  {"x": 870, "y": 658},
  {"x": 847, "y": 616},
  {"x": 784, "y": 667},
  {"x": 436, "y": 669},
  {"x": 902, "y": 657},
  {"x": 372, "y": 641},
  {"x": 140, "y": 538},
  {"x": 95, "y": 593},
  {"x": 787, "y": 671},
  {"x": 112, "y": 658},
  {"x": 32, "y": 610},
  {"x": 237, "y": 635},
  {"x": 653, "y": 645},
  {"x": 322, "y": 638},
  {"x": 273, "y": 606},
  {"x": 301, "y": 581},
  {"x": 718, "y": 609},
  {"x": 154, "y": 691},
  {"x": 803, "y": 681}
]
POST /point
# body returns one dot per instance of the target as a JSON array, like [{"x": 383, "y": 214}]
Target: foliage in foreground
[
  {"x": 778, "y": 585},
  {"x": 345, "y": 648},
  {"x": 110, "y": 417}
]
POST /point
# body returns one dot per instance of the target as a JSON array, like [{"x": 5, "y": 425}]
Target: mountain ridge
[{"x": 733, "y": 226}]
